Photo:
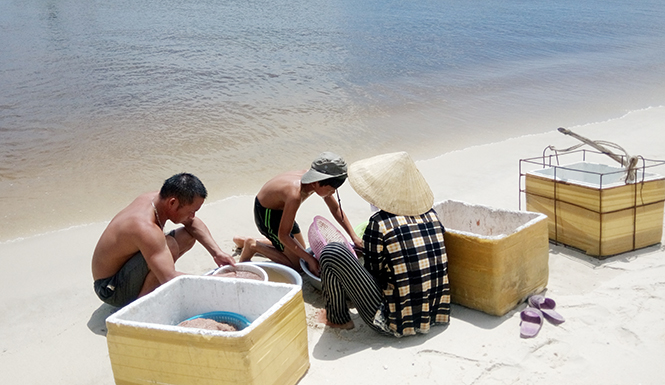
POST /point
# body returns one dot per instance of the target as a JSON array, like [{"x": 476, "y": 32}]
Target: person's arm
[
  {"x": 343, "y": 220},
  {"x": 152, "y": 244},
  {"x": 291, "y": 207},
  {"x": 197, "y": 229}
]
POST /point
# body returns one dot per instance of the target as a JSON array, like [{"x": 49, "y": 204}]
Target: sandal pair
[{"x": 532, "y": 317}]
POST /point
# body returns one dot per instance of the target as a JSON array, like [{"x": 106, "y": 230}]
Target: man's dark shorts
[
  {"x": 267, "y": 221},
  {"x": 125, "y": 286}
]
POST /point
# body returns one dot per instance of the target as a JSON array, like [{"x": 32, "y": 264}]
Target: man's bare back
[
  {"x": 119, "y": 241},
  {"x": 281, "y": 189}
]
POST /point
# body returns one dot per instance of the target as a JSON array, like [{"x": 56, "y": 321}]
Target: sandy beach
[{"x": 52, "y": 326}]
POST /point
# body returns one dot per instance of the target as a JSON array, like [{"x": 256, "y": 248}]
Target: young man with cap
[
  {"x": 277, "y": 203},
  {"x": 403, "y": 288}
]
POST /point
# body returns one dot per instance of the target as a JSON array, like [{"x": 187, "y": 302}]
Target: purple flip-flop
[
  {"x": 546, "y": 306},
  {"x": 532, "y": 321}
]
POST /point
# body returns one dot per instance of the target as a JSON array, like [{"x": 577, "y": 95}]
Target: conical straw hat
[{"x": 392, "y": 183}]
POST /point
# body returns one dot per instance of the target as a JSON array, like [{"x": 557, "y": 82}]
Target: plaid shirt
[{"x": 406, "y": 256}]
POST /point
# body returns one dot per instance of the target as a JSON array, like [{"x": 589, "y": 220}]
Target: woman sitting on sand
[{"x": 403, "y": 288}]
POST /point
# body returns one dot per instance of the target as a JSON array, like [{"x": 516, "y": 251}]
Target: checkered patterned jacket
[{"x": 406, "y": 256}]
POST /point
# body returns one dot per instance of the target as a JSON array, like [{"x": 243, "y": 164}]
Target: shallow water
[{"x": 101, "y": 101}]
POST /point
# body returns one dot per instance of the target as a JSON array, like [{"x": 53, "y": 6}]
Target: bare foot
[
  {"x": 248, "y": 250},
  {"x": 239, "y": 241},
  {"x": 321, "y": 317}
]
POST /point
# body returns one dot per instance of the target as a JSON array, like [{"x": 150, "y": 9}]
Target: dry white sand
[{"x": 52, "y": 327}]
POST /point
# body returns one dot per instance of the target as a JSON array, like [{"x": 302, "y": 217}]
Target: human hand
[
  {"x": 358, "y": 243},
  {"x": 223, "y": 259}
]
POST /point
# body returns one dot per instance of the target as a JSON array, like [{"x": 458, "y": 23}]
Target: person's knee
[{"x": 333, "y": 249}]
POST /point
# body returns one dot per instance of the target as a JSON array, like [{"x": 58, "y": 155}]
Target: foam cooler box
[
  {"x": 591, "y": 208},
  {"x": 147, "y": 347},
  {"x": 496, "y": 258}
]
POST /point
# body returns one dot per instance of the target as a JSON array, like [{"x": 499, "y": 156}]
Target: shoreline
[{"x": 429, "y": 151}]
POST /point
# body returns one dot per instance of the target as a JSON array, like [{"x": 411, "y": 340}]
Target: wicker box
[
  {"x": 591, "y": 208},
  {"x": 147, "y": 347},
  {"x": 496, "y": 258}
]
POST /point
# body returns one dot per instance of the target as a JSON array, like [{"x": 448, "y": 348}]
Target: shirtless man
[
  {"x": 133, "y": 255},
  {"x": 275, "y": 210}
]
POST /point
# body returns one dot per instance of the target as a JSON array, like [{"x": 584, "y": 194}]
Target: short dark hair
[
  {"x": 333, "y": 182},
  {"x": 184, "y": 187}
]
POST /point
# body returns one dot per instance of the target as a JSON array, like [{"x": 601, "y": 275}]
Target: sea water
[{"x": 103, "y": 100}]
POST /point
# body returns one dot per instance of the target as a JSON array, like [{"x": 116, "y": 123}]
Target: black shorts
[
  {"x": 267, "y": 221},
  {"x": 123, "y": 287}
]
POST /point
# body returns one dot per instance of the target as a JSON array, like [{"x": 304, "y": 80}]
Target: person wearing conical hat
[
  {"x": 277, "y": 203},
  {"x": 403, "y": 287}
]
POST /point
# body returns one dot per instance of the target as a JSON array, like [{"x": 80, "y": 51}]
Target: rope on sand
[{"x": 627, "y": 161}]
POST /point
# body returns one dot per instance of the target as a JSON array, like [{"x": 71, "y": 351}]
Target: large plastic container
[
  {"x": 147, "y": 347},
  {"x": 591, "y": 208},
  {"x": 279, "y": 273},
  {"x": 496, "y": 258}
]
